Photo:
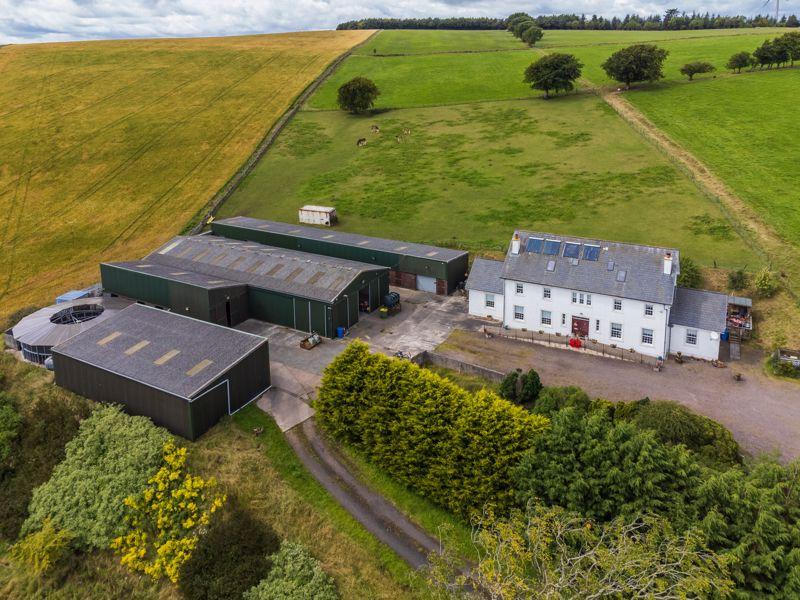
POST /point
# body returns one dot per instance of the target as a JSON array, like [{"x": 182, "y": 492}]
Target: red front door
[{"x": 580, "y": 326}]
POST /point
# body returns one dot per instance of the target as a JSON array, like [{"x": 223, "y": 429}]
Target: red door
[{"x": 580, "y": 326}]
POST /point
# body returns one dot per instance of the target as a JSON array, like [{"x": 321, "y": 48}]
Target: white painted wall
[
  {"x": 706, "y": 348},
  {"x": 478, "y": 308},
  {"x": 631, "y": 316}
]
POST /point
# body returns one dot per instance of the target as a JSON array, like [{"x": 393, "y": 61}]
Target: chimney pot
[
  {"x": 515, "y": 244},
  {"x": 668, "y": 263}
]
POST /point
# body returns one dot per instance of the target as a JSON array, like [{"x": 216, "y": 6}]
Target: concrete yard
[{"x": 762, "y": 413}]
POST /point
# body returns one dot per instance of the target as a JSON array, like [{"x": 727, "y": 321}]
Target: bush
[
  {"x": 165, "y": 519},
  {"x": 295, "y": 575},
  {"x": 765, "y": 283},
  {"x": 675, "y": 424},
  {"x": 589, "y": 464},
  {"x": 737, "y": 280},
  {"x": 454, "y": 447},
  {"x": 10, "y": 422},
  {"x": 553, "y": 399},
  {"x": 42, "y": 550},
  {"x": 521, "y": 388},
  {"x": 357, "y": 95},
  {"x": 689, "y": 277},
  {"x": 508, "y": 386},
  {"x": 110, "y": 459},
  {"x": 230, "y": 557}
]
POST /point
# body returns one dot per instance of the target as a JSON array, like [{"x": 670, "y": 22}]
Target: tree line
[
  {"x": 672, "y": 19},
  {"x": 776, "y": 52}
]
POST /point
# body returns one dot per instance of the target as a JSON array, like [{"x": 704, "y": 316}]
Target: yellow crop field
[{"x": 109, "y": 148}]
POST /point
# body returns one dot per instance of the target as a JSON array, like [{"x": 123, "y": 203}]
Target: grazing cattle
[
  {"x": 398, "y": 139},
  {"x": 361, "y": 142},
  {"x": 406, "y": 131},
  {"x": 375, "y": 129}
]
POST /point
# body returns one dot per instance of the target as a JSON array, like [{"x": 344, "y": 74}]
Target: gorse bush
[
  {"x": 111, "y": 458},
  {"x": 231, "y": 556},
  {"x": 454, "y": 447},
  {"x": 295, "y": 575},
  {"x": 766, "y": 283},
  {"x": 42, "y": 550},
  {"x": 589, "y": 464}
]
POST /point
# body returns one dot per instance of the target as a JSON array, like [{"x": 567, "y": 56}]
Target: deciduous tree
[
  {"x": 357, "y": 95},
  {"x": 640, "y": 62},
  {"x": 531, "y": 35},
  {"x": 739, "y": 61},
  {"x": 696, "y": 68},
  {"x": 557, "y": 72}
]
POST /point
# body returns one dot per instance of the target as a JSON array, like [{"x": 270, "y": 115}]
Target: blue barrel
[
  {"x": 340, "y": 332},
  {"x": 724, "y": 336}
]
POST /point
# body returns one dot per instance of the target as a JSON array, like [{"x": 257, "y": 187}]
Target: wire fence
[{"x": 588, "y": 346}]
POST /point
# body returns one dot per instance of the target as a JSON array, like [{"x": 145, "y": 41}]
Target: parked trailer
[{"x": 317, "y": 215}]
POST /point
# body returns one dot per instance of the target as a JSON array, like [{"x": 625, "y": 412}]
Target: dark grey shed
[{"x": 183, "y": 373}]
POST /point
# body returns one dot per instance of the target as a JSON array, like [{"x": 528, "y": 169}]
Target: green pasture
[
  {"x": 468, "y": 175},
  {"x": 563, "y": 37},
  {"x": 714, "y": 49},
  {"x": 407, "y": 81},
  {"x": 744, "y": 127},
  {"x": 420, "y": 41}
]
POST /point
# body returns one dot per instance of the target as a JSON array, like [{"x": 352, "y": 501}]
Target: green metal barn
[
  {"x": 416, "y": 266},
  {"x": 227, "y": 281},
  {"x": 183, "y": 373}
]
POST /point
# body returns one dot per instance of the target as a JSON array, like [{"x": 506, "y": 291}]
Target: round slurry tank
[{"x": 36, "y": 334}]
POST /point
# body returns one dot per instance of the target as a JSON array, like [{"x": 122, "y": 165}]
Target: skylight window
[
  {"x": 552, "y": 247},
  {"x": 591, "y": 252},
  {"x": 621, "y": 275},
  {"x": 551, "y": 265},
  {"x": 572, "y": 250},
  {"x": 534, "y": 245},
  {"x": 610, "y": 265}
]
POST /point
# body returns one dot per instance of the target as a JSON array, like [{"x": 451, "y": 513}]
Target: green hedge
[{"x": 454, "y": 447}]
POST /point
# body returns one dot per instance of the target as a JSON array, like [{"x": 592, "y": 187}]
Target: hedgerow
[
  {"x": 454, "y": 447},
  {"x": 110, "y": 458}
]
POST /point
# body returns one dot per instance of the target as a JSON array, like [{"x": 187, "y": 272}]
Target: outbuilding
[
  {"x": 183, "y": 373},
  {"x": 416, "y": 266},
  {"x": 696, "y": 322}
]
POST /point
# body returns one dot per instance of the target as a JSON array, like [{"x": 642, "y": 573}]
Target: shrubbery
[
  {"x": 689, "y": 276},
  {"x": 521, "y": 388},
  {"x": 230, "y": 557},
  {"x": 42, "y": 550},
  {"x": 10, "y": 422},
  {"x": 589, "y": 464},
  {"x": 110, "y": 459},
  {"x": 738, "y": 280},
  {"x": 765, "y": 283},
  {"x": 295, "y": 575},
  {"x": 454, "y": 447}
]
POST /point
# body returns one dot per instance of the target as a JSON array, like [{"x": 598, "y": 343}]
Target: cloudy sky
[{"x": 24, "y": 21}]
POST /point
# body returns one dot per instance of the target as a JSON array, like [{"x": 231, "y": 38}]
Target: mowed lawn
[
  {"x": 109, "y": 148},
  {"x": 420, "y": 41},
  {"x": 468, "y": 175}
]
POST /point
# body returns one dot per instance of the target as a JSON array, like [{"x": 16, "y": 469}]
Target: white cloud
[{"x": 24, "y": 21}]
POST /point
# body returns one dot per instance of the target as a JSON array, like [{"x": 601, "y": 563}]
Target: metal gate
[{"x": 426, "y": 284}]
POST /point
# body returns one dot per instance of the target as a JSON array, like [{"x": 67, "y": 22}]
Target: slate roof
[
  {"x": 347, "y": 239},
  {"x": 191, "y": 353},
  {"x": 289, "y": 271},
  {"x": 173, "y": 274},
  {"x": 643, "y": 265},
  {"x": 485, "y": 276},
  {"x": 699, "y": 309}
]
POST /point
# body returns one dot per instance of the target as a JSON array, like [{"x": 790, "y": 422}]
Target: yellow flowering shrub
[{"x": 165, "y": 518}]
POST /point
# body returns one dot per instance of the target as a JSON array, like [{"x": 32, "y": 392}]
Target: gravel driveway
[{"x": 762, "y": 413}]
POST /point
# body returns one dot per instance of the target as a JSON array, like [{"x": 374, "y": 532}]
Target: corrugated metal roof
[
  {"x": 38, "y": 330},
  {"x": 700, "y": 309},
  {"x": 288, "y": 271},
  {"x": 347, "y": 239},
  {"x": 740, "y": 301},
  {"x": 173, "y": 274},
  {"x": 182, "y": 355},
  {"x": 485, "y": 275},
  {"x": 643, "y": 267}
]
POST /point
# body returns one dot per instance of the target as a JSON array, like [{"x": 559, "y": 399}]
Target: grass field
[
  {"x": 559, "y": 38},
  {"x": 109, "y": 148},
  {"x": 400, "y": 41},
  {"x": 467, "y": 175}
]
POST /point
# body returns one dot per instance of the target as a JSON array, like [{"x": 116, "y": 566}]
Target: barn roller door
[{"x": 426, "y": 284}]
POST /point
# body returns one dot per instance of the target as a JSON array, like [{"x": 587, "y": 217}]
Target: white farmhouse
[{"x": 610, "y": 292}]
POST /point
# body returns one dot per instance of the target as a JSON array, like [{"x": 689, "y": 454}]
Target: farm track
[
  {"x": 369, "y": 508},
  {"x": 269, "y": 139},
  {"x": 754, "y": 230}
]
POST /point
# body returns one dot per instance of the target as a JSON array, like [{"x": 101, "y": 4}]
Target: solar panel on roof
[
  {"x": 621, "y": 275},
  {"x": 572, "y": 250},
  {"x": 552, "y": 247},
  {"x": 534, "y": 245},
  {"x": 591, "y": 252}
]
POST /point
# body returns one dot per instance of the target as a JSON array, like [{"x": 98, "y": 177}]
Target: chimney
[
  {"x": 668, "y": 263},
  {"x": 515, "y": 244}
]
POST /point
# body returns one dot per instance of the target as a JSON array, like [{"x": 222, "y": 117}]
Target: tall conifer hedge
[{"x": 454, "y": 447}]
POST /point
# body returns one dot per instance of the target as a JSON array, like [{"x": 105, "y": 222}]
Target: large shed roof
[
  {"x": 700, "y": 309},
  {"x": 165, "y": 350},
  {"x": 277, "y": 269},
  {"x": 193, "y": 278},
  {"x": 347, "y": 239},
  {"x": 595, "y": 266}
]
